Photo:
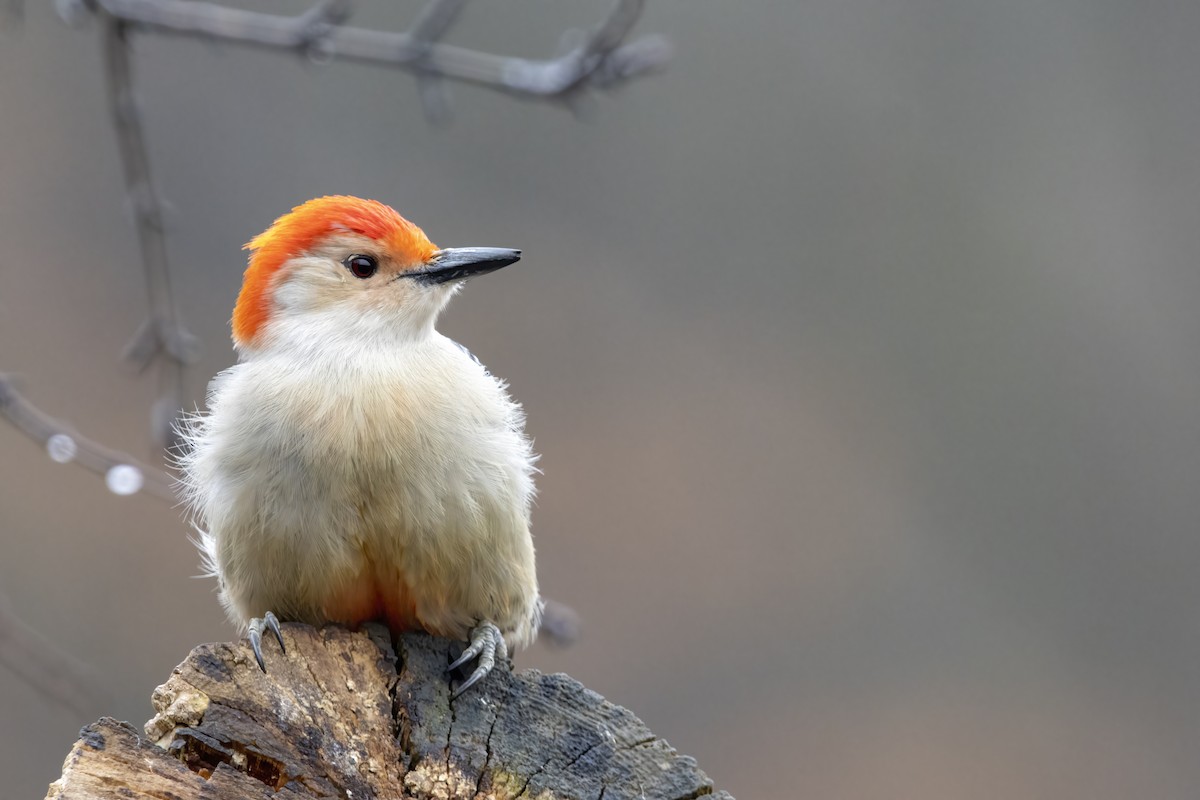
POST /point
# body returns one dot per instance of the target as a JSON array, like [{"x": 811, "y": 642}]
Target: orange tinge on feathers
[{"x": 295, "y": 232}]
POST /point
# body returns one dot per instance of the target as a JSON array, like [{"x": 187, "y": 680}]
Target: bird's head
[{"x": 348, "y": 266}]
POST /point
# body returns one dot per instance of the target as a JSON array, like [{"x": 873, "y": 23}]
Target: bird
[{"x": 355, "y": 464}]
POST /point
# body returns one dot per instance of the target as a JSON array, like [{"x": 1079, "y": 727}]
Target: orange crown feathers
[{"x": 295, "y": 232}]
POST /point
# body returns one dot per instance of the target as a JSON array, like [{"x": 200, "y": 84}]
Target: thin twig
[
  {"x": 41, "y": 427},
  {"x": 435, "y": 20},
  {"x": 602, "y": 61},
  {"x": 162, "y": 337}
]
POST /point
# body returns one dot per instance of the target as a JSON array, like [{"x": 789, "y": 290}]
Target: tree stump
[{"x": 344, "y": 715}]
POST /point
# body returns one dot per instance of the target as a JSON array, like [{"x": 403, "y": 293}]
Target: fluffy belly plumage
[{"x": 359, "y": 506}]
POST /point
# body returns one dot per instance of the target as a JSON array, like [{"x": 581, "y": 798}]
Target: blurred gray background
[{"x": 860, "y": 346}]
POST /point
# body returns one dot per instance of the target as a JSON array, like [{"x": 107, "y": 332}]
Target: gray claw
[
  {"x": 270, "y": 622},
  {"x": 487, "y": 643}
]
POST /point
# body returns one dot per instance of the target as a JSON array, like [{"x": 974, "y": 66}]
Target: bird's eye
[{"x": 361, "y": 266}]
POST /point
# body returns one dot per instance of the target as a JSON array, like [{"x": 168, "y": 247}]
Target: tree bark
[{"x": 344, "y": 715}]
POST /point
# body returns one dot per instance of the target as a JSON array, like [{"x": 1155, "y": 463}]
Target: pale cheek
[
  {"x": 405, "y": 300},
  {"x": 311, "y": 284},
  {"x": 290, "y": 297}
]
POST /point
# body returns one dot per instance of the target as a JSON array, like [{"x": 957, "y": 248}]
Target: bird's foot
[
  {"x": 487, "y": 643},
  {"x": 267, "y": 621}
]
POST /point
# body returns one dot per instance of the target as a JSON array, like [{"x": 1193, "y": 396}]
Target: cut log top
[{"x": 344, "y": 715}]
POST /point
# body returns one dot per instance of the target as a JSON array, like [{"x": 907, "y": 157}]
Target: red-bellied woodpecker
[{"x": 356, "y": 464}]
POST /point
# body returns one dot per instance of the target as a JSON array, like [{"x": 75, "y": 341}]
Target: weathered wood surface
[{"x": 343, "y": 715}]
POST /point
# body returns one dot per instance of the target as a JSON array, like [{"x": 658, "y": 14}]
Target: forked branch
[{"x": 602, "y": 60}]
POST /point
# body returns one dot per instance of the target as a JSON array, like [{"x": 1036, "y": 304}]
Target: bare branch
[
  {"x": 162, "y": 337},
  {"x": 601, "y": 61},
  {"x": 52, "y": 673},
  {"x": 113, "y": 465}
]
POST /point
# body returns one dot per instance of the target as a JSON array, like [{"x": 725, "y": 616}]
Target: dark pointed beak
[{"x": 459, "y": 263}]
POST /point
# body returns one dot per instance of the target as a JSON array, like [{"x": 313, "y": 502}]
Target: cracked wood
[{"x": 345, "y": 715}]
